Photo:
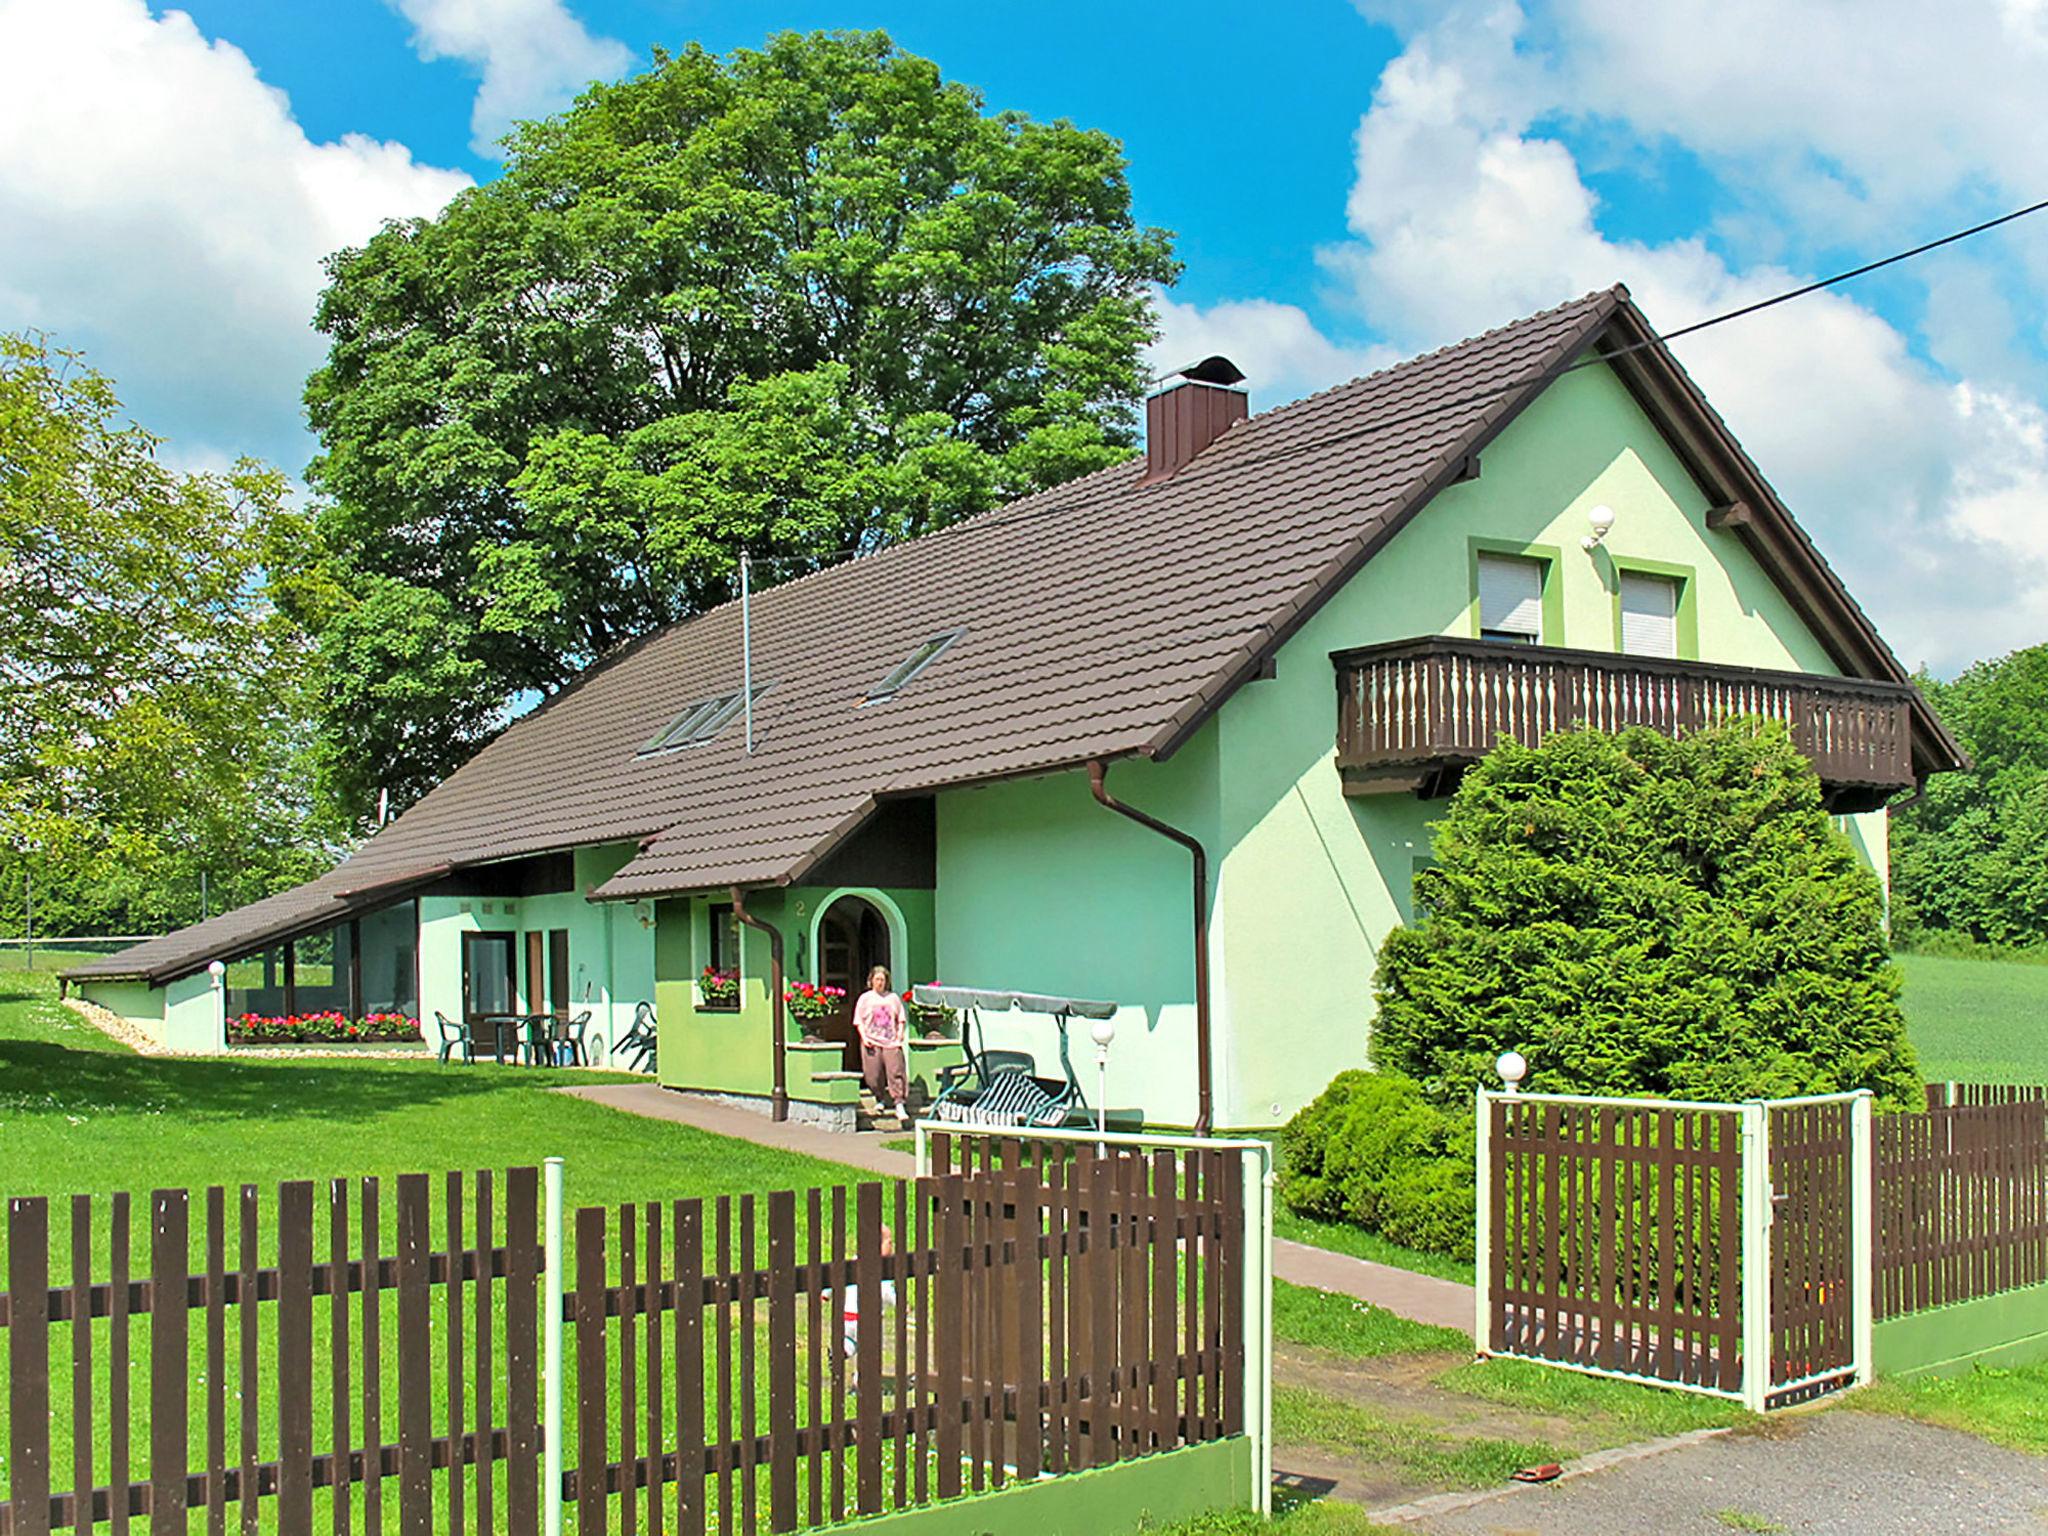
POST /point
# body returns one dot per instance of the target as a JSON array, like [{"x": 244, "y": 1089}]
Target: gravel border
[{"x": 115, "y": 1028}]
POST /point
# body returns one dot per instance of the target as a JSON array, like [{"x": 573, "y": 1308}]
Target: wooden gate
[
  {"x": 1718, "y": 1247},
  {"x": 1812, "y": 1242}
]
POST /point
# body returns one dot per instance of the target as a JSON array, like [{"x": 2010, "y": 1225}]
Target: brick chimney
[{"x": 1194, "y": 408}]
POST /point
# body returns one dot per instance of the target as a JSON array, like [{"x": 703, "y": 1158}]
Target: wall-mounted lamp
[
  {"x": 1601, "y": 520},
  {"x": 218, "y": 972}
]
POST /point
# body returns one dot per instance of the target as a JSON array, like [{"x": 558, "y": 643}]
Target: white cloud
[
  {"x": 1866, "y": 111},
  {"x": 531, "y": 56},
  {"x": 160, "y": 207},
  {"x": 1929, "y": 493},
  {"x": 1282, "y": 353}
]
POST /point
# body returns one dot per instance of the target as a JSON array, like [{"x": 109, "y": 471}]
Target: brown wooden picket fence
[
  {"x": 1962, "y": 1197},
  {"x": 361, "y": 1392},
  {"x": 1054, "y": 1308}
]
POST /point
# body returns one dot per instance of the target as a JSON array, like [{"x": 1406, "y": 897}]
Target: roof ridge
[{"x": 1434, "y": 353}]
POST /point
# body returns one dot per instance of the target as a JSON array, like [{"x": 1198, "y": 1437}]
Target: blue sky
[
  {"x": 1349, "y": 182},
  {"x": 1237, "y": 134}
]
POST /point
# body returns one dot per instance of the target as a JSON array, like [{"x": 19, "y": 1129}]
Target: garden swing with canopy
[{"x": 1000, "y": 1088}]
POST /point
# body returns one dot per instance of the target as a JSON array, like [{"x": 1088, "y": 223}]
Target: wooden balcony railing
[{"x": 1408, "y": 711}]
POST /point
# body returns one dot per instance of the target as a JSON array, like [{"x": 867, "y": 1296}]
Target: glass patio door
[{"x": 488, "y": 963}]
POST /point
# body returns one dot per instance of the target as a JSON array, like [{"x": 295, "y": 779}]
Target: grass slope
[
  {"x": 81, "y": 1115},
  {"x": 1977, "y": 1020}
]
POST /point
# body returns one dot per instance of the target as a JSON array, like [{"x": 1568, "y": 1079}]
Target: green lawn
[
  {"x": 1345, "y": 1325},
  {"x": 1977, "y": 1020},
  {"x": 79, "y": 1114},
  {"x": 2008, "y": 1407}
]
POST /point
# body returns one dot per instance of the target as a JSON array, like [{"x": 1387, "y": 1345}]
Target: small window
[
  {"x": 1649, "y": 615},
  {"x": 699, "y": 722},
  {"x": 722, "y": 952},
  {"x": 900, "y": 676},
  {"x": 1511, "y": 598}
]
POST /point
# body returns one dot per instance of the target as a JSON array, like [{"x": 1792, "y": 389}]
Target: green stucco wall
[
  {"x": 193, "y": 1018},
  {"x": 1312, "y": 881},
  {"x": 2004, "y": 1330},
  {"x": 134, "y": 1002},
  {"x": 611, "y": 946},
  {"x": 732, "y": 1051},
  {"x": 1105, "y": 1501},
  {"x": 1041, "y": 889}
]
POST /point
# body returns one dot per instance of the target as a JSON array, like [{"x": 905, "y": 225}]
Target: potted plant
[
  {"x": 719, "y": 989},
  {"x": 809, "y": 1002}
]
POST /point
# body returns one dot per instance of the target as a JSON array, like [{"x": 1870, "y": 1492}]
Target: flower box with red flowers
[
  {"x": 329, "y": 1028},
  {"x": 811, "y": 1000}
]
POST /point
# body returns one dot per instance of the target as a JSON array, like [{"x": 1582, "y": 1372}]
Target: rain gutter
[{"x": 1098, "y": 775}]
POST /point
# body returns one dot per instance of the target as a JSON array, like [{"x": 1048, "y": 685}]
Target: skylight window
[
  {"x": 901, "y": 675},
  {"x": 699, "y": 722}
]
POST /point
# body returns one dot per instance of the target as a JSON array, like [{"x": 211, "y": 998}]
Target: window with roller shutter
[
  {"x": 1510, "y": 598},
  {"x": 1649, "y": 615}
]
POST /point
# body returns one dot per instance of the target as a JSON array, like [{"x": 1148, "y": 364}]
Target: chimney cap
[{"x": 1212, "y": 370}]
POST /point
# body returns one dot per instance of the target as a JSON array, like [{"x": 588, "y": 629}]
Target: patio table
[{"x": 518, "y": 1036}]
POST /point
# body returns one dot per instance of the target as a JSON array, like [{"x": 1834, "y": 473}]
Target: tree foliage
[
  {"x": 1970, "y": 856},
  {"x": 152, "y": 720},
  {"x": 1637, "y": 914},
  {"x": 800, "y": 300}
]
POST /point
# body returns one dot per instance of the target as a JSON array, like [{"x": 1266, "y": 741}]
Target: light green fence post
[
  {"x": 551, "y": 1353},
  {"x": 1482, "y": 1224},
  {"x": 1863, "y": 1236},
  {"x": 1756, "y": 1255}
]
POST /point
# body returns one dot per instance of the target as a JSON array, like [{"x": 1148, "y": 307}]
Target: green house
[{"x": 1171, "y": 735}]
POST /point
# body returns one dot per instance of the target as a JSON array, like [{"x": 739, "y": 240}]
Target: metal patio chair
[
  {"x": 563, "y": 1042},
  {"x": 452, "y": 1036},
  {"x": 640, "y": 1042}
]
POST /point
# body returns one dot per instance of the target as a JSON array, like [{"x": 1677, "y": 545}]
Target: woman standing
[{"x": 878, "y": 1017}]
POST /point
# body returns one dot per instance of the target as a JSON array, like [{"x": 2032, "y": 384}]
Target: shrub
[
  {"x": 1371, "y": 1150},
  {"x": 1637, "y": 914}
]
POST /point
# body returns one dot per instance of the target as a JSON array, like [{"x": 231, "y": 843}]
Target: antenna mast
[{"x": 747, "y": 647}]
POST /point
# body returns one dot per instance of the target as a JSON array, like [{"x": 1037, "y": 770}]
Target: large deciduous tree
[
  {"x": 800, "y": 300},
  {"x": 1970, "y": 856},
  {"x": 1637, "y": 914},
  {"x": 152, "y": 718}
]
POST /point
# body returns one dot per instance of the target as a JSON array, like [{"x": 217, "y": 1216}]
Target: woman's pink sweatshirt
[{"x": 879, "y": 1018}]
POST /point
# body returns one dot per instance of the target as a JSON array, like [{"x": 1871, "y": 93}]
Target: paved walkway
[
  {"x": 1838, "y": 1472},
  {"x": 1421, "y": 1297}
]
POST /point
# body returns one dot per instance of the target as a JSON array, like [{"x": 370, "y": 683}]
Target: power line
[{"x": 998, "y": 520}]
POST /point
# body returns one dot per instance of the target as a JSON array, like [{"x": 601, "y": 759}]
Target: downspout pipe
[
  {"x": 778, "y": 1100},
  {"x": 1098, "y": 781}
]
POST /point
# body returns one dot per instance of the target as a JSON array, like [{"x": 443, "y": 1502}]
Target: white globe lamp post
[
  {"x": 1102, "y": 1031},
  {"x": 1512, "y": 1068},
  {"x": 217, "y": 974}
]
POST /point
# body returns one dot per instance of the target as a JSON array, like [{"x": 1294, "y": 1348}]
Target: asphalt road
[{"x": 1816, "y": 1474}]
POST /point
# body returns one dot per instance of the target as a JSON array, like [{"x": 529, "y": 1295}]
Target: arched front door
[{"x": 853, "y": 938}]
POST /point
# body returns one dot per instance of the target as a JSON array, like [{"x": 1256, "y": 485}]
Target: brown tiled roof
[{"x": 1102, "y": 618}]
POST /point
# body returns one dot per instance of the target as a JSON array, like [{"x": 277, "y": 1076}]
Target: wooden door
[
  {"x": 852, "y": 940},
  {"x": 536, "y": 972}
]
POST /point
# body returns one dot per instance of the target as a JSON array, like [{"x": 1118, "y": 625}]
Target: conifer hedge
[{"x": 1635, "y": 914}]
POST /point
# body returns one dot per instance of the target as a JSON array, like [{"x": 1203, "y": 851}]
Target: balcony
[{"x": 1413, "y": 715}]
